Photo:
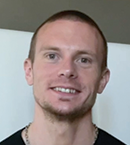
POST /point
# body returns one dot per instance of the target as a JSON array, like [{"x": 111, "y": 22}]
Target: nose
[{"x": 68, "y": 70}]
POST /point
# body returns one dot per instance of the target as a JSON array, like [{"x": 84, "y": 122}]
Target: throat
[{"x": 64, "y": 135}]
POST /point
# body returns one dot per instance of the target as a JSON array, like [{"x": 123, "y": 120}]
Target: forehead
[{"x": 70, "y": 34}]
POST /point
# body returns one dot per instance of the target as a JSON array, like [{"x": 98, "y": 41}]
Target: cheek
[
  {"x": 42, "y": 71},
  {"x": 90, "y": 89},
  {"x": 90, "y": 81},
  {"x": 42, "y": 77},
  {"x": 39, "y": 80}
]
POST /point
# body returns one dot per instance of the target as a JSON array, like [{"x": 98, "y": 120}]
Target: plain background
[{"x": 113, "y": 16}]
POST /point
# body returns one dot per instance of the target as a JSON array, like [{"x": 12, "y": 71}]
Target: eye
[
  {"x": 51, "y": 56},
  {"x": 84, "y": 60}
]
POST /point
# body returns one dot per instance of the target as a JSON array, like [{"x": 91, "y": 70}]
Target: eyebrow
[
  {"x": 49, "y": 48},
  {"x": 84, "y": 52}
]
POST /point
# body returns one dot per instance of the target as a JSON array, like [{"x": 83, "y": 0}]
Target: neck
[{"x": 44, "y": 131}]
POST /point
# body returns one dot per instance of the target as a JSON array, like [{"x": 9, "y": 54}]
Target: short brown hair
[{"x": 74, "y": 16}]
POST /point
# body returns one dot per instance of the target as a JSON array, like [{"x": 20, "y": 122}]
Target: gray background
[{"x": 113, "y": 16}]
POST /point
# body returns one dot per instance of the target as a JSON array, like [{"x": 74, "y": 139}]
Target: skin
[{"x": 68, "y": 55}]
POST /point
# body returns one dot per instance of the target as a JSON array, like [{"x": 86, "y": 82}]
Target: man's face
[{"x": 66, "y": 74}]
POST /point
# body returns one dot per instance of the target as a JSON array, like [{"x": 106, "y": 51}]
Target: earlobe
[
  {"x": 104, "y": 80},
  {"x": 28, "y": 71}
]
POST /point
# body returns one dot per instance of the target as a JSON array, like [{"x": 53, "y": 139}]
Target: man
[{"x": 67, "y": 66}]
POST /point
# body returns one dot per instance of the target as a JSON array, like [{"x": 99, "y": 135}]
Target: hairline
[{"x": 75, "y": 19}]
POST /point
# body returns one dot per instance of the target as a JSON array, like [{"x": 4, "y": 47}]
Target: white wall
[
  {"x": 112, "y": 108},
  {"x": 16, "y": 100},
  {"x": 111, "y": 111}
]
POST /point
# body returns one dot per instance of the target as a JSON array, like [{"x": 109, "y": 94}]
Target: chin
[{"x": 65, "y": 114}]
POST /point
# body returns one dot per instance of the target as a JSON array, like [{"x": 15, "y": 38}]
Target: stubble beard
[{"x": 58, "y": 115}]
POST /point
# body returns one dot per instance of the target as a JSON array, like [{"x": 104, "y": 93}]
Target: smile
[{"x": 64, "y": 90}]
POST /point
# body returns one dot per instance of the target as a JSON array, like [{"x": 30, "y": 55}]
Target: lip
[
  {"x": 67, "y": 87},
  {"x": 65, "y": 96},
  {"x": 62, "y": 96}
]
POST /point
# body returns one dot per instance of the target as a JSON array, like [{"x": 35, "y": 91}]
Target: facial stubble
[{"x": 77, "y": 113}]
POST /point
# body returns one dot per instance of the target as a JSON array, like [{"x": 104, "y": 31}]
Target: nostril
[
  {"x": 68, "y": 73},
  {"x": 72, "y": 76}
]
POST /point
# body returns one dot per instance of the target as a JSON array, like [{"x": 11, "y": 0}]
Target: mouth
[{"x": 66, "y": 90}]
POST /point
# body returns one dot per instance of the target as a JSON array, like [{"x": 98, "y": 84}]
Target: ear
[
  {"x": 104, "y": 80},
  {"x": 28, "y": 71}
]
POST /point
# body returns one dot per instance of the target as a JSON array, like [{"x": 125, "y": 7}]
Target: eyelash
[{"x": 87, "y": 60}]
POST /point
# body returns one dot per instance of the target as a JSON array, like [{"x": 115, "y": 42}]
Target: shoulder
[
  {"x": 14, "y": 139},
  {"x": 105, "y": 138}
]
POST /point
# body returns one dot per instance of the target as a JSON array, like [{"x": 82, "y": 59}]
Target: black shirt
[{"x": 103, "y": 139}]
